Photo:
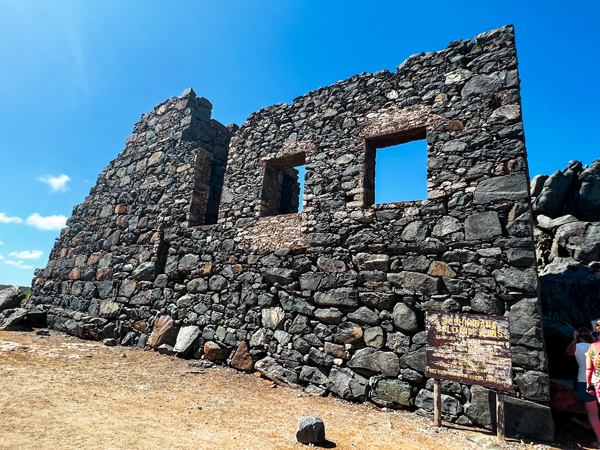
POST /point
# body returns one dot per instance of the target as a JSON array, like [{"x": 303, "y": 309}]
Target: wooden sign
[{"x": 469, "y": 349}]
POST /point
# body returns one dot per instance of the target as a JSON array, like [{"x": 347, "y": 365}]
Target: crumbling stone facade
[{"x": 332, "y": 298}]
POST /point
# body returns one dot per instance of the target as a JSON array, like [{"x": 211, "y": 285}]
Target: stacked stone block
[{"x": 333, "y": 298}]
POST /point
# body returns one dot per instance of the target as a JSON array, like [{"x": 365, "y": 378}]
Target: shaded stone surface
[{"x": 311, "y": 430}]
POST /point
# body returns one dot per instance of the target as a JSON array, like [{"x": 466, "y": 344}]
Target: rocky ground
[{"x": 62, "y": 392}]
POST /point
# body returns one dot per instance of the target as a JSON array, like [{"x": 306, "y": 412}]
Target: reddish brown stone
[
  {"x": 242, "y": 359},
  {"x": 93, "y": 259},
  {"x": 120, "y": 209},
  {"x": 140, "y": 325},
  {"x": 74, "y": 274},
  {"x": 103, "y": 274},
  {"x": 338, "y": 351},
  {"x": 162, "y": 326},
  {"x": 207, "y": 269},
  {"x": 122, "y": 222},
  {"x": 564, "y": 398},
  {"x": 455, "y": 125},
  {"x": 440, "y": 269},
  {"x": 213, "y": 351}
]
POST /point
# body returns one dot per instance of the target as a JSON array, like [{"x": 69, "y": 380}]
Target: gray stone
[
  {"x": 374, "y": 337},
  {"x": 486, "y": 304},
  {"x": 320, "y": 358},
  {"x": 480, "y": 408},
  {"x": 523, "y": 280},
  {"x": 398, "y": 342},
  {"x": 415, "y": 360},
  {"x": 445, "y": 226},
  {"x": 10, "y": 298},
  {"x": 375, "y": 361},
  {"x": 108, "y": 309},
  {"x": 505, "y": 114},
  {"x": 379, "y": 300},
  {"x": 523, "y": 316},
  {"x": 197, "y": 286},
  {"x": 187, "y": 263},
  {"x": 390, "y": 393},
  {"x": 364, "y": 315},
  {"x": 405, "y": 318},
  {"x": 587, "y": 198},
  {"x": 414, "y": 231},
  {"x": 534, "y": 385},
  {"x": 450, "y": 406},
  {"x": 528, "y": 419},
  {"x": 311, "y": 430},
  {"x": 314, "y": 375},
  {"x": 272, "y": 317},
  {"x": 185, "y": 338},
  {"x": 278, "y": 275},
  {"x": 482, "y": 226},
  {"x": 145, "y": 271},
  {"x": 503, "y": 188},
  {"x": 331, "y": 265},
  {"x": 280, "y": 375},
  {"x": 546, "y": 223},
  {"x": 537, "y": 184},
  {"x": 337, "y": 297},
  {"x": 348, "y": 384},
  {"x": 329, "y": 315},
  {"x": 260, "y": 338},
  {"x": 165, "y": 349},
  {"x": 217, "y": 283},
  {"x": 551, "y": 200},
  {"x": 414, "y": 281},
  {"x": 520, "y": 257},
  {"x": 481, "y": 85},
  {"x": 366, "y": 261}
]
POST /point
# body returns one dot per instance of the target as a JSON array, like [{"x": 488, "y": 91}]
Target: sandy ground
[{"x": 59, "y": 392}]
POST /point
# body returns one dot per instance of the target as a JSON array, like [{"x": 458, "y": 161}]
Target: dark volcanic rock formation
[{"x": 567, "y": 235}]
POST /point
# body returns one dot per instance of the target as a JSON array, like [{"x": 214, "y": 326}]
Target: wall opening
[
  {"x": 396, "y": 167},
  {"x": 206, "y": 194},
  {"x": 283, "y": 186}
]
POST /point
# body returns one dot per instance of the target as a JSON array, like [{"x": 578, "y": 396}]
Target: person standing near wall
[{"x": 586, "y": 350}]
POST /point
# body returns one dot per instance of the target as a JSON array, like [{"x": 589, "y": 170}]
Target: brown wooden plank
[
  {"x": 437, "y": 404},
  {"x": 500, "y": 423}
]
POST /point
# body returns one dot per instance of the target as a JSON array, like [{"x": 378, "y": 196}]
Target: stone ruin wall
[{"x": 333, "y": 298}]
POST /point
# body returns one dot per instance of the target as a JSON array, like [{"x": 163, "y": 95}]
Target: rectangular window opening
[
  {"x": 209, "y": 173},
  {"x": 396, "y": 168},
  {"x": 283, "y": 186}
]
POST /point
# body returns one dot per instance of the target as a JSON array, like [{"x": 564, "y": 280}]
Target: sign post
[{"x": 470, "y": 349}]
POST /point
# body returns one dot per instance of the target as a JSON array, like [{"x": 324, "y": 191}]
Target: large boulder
[
  {"x": 587, "y": 198},
  {"x": 551, "y": 201},
  {"x": 10, "y": 298}
]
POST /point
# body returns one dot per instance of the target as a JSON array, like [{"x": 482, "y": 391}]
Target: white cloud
[
  {"x": 18, "y": 264},
  {"x": 58, "y": 184},
  {"x": 1, "y": 257},
  {"x": 5, "y": 219},
  {"x": 35, "y": 254},
  {"x": 46, "y": 223}
]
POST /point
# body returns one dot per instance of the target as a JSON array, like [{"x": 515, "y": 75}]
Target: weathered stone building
[{"x": 332, "y": 298}]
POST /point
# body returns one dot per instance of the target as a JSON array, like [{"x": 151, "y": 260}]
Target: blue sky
[{"x": 76, "y": 75}]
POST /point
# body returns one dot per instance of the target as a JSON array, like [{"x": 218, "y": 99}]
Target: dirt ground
[{"x": 59, "y": 392}]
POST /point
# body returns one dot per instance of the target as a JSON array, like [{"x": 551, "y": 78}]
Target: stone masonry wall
[{"x": 333, "y": 298}]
